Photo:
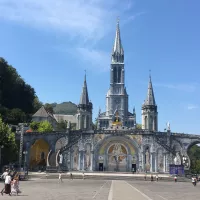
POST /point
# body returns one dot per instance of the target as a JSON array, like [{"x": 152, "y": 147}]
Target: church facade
[{"x": 116, "y": 144}]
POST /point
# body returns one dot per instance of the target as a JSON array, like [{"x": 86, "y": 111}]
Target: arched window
[
  {"x": 145, "y": 122},
  {"x": 155, "y": 123},
  {"x": 151, "y": 123}
]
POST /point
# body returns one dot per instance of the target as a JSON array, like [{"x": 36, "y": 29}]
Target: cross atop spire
[{"x": 118, "y": 52}]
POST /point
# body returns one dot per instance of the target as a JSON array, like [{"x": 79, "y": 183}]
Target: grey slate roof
[
  {"x": 42, "y": 112},
  {"x": 60, "y": 118},
  {"x": 84, "y": 95},
  {"x": 150, "y": 100}
]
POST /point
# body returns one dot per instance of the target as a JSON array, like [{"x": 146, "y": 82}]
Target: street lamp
[
  {"x": 25, "y": 153},
  {"x": 21, "y": 143},
  {"x": 1, "y": 147}
]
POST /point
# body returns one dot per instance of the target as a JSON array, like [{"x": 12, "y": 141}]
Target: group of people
[
  {"x": 156, "y": 177},
  {"x": 11, "y": 184}
]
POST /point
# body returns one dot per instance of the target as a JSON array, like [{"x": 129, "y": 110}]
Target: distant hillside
[{"x": 67, "y": 108}]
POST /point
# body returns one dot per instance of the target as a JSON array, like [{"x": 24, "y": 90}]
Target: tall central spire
[{"x": 118, "y": 51}]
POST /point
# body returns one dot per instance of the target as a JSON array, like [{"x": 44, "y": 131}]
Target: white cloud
[
  {"x": 192, "y": 107},
  {"x": 95, "y": 59},
  {"x": 183, "y": 87},
  {"x": 86, "y": 19}
]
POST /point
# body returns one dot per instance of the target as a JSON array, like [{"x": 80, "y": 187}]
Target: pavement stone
[{"x": 51, "y": 189}]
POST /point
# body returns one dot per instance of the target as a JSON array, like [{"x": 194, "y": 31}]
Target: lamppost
[
  {"x": 25, "y": 153},
  {"x": 1, "y": 147},
  {"x": 21, "y": 143}
]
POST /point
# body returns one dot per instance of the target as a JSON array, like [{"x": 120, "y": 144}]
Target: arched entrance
[
  {"x": 116, "y": 153},
  {"x": 38, "y": 154},
  {"x": 117, "y": 157}
]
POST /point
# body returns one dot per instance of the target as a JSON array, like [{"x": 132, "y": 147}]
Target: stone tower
[
  {"x": 117, "y": 113},
  {"x": 149, "y": 110},
  {"x": 84, "y": 112}
]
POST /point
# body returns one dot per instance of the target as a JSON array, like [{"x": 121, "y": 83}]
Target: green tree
[
  {"x": 45, "y": 126},
  {"x": 34, "y": 126},
  {"x": 15, "y": 93},
  {"x": 49, "y": 108},
  {"x": 7, "y": 139},
  {"x": 62, "y": 126}
]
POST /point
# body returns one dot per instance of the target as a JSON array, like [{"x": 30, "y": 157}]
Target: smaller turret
[
  {"x": 84, "y": 113},
  {"x": 149, "y": 110}
]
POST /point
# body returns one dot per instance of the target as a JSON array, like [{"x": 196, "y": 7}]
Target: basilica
[{"x": 116, "y": 144}]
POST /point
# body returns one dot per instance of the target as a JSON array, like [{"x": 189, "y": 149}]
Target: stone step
[{"x": 107, "y": 177}]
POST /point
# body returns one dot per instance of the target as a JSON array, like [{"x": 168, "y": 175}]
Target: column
[
  {"x": 167, "y": 164},
  {"x": 91, "y": 164},
  {"x": 142, "y": 161},
  {"x": 79, "y": 160},
  {"x": 83, "y": 159},
  {"x": 164, "y": 163},
  {"x": 151, "y": 161},
  {"x": 156, "y": 162}
]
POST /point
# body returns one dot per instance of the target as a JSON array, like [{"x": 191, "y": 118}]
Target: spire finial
[
  {"x": 150, "y": 75},
  {"x": 117, "y": 19},
  {"x": 85, "y": 74}
]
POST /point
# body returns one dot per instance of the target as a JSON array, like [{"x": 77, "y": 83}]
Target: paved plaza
[{"x": 50, "y": 189}]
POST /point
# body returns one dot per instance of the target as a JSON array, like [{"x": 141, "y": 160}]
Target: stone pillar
[
  {"x": 142, "y": 161},
  {"x": 151, "y": 162},
  {"x": 91, "y": 159},
  {"x": 167, "y": 163},
  {"x": 28, "y": 149},
  {"x": 164, "y": 163},
  {"x": 85, "y": 121},
  {"x": 79, "y": 160},
  {"x": 83, "y": 159},
  {"x": 156, "y": 164}
]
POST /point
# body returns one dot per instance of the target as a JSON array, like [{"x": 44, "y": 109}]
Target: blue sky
[{"x": 51, "y": 43}]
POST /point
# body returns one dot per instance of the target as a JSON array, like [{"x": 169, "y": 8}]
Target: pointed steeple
[
  {"x": 150, "y": 100},
  {"x": 118, "y": 51},
  {"x": 84, "y": 100}
]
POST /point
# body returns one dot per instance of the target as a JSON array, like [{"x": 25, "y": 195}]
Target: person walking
[
  {"x": 175, "y": 178},
  {"x": 83, "y": 176},
  {"x": 60, "y": 178},
  {"x": 156, "y": 177},
  {"x": 151, "y": 177},
  {"x": 7, "y": 189},
  {"x": 145, "y": 177},
  {"x": 193, "y": 181},
  {"x": 71, "y": 176},
  {"x": 15, "y": 186},
  {"x": 3, "y": 176}
]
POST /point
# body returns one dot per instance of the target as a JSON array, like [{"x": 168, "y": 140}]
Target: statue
[
  {"x": 147, "y": 157},
  {"x": 177, "y": 160},
  {"x": 168, "y": 126},
  {"x": 60, "y": 159},
  {"x": 87, "y": 156},
  {"x": 68, "y": 124}
]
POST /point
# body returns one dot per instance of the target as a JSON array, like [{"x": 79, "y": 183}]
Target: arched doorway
[
  {"x": 117, "y": 153},
  {"x": 38, "y": 154},
  {"x": 117, "y": 157}
]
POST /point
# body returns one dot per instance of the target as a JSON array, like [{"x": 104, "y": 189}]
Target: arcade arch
[
  {"x": 117, "y": 153},
  {"x": 193, "y": 160},
  {"x": 38, "y": 154}
]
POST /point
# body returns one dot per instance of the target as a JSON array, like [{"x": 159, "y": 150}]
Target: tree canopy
[
  {"x": 7, "y": 141},
  {"x": 194, "y": 154},
  {"x": 18, "y": 100},
  {"x": 43, "y": 126}
]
